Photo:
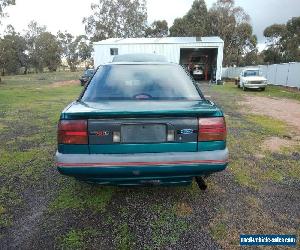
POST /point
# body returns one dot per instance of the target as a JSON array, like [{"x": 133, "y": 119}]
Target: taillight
[
  {"x": 72, "y": 132},
  {"x": 212, "y": 129}
]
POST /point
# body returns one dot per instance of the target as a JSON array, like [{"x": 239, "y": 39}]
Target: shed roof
[{"x": 163, "y": 40}]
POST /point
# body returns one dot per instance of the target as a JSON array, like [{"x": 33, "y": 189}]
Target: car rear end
[{"x": 141, "y": 141}]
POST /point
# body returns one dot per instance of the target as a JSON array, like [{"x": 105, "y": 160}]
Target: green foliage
[
  {"x": 122, "y": 18},
  {"x": 12, "y": 52},
  {"x": 32, "y": 32},
  {"x": 84, "y": 47},
  {"x": 275, "y": 31},
  {"x": 69, "y": 49},
  {"x": 283, "y": 42},
  {"x": 232, "y": 24},
  {"x": 157, "y": 29},
  {"x": 193, "y": 23},
  {"x": 197, "y": 19},
  {"x": 48, "y": 50},
  {"x": 4, "y": 4},
  {"x": 179, "y": 27},
  {"x": 224, "y": 19},
  {"x": 74, "y": 49}
]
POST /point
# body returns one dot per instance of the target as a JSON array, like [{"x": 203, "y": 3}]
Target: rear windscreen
[{"x": 136, "y": 82}]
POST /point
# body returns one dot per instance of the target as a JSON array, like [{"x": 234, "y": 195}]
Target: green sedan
[{"x": 141, "y": 122}]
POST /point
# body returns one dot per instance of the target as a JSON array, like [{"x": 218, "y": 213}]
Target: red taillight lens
[
  {"x": 212, "y": 129},
  {"x": 72, "y": 132}
]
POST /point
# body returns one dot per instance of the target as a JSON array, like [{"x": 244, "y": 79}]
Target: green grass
[
  {"x": 29, "y": 111},
  {"x": 218, "y": 226},
  {"x": 268, "y": 125},
  {"x": 124, "y": 238},
  {"x": 219, "y": 231},
  {"x": 168, "y": 227},
  {"x": 80, "y": 196},
  {"x": 77, "y": 238},
  {"x": 74, "y": 239},
  {"x": 40, "y": 79}
]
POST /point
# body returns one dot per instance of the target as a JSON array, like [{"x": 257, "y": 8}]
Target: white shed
[{"x": 175, "y": 49}]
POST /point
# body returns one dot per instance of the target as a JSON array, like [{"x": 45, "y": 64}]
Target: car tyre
[
  {"x": 262, "y": 89},
  {"x": 244, "y": 88}
]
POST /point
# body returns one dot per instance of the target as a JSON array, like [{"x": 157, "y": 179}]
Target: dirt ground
[
  {"x": 64, "y": 83},
  {"x": 283, "y": 109},
  {"x": 286, "y": 110}
]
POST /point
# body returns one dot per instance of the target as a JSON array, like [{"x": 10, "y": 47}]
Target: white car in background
[
  {"x": 251, "y": 78},
  {"x": 198, "y": 72}
]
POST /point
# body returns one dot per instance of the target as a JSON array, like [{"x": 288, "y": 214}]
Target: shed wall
[{"x": 170, "y": 50}]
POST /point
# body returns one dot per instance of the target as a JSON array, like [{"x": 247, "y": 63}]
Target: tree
[
  {"x": 283, "y": 42},
  {"x": 291, "y": 42},
  {"x": 157, "y": 29},
  {"x": 243, "y": 41},
  {"x": 31, "y": 34},
  {"x": 48, "y": 49},
  {"x": 274, "y": 34},
  {"x": 85, "y": 48},
  {"x": 197, "y": 19},
  {"x": 12, "y": 51},
  {"x": 74, "y": 49},
  {"x": 231, "y": 23},
  {"x": 4, "y": 4},
  {"x": 116, "y": 18},
  {"x": 179, "y": 27},
  {"x": 193, "y": 23},
  {"x": 69, "y": 49}
]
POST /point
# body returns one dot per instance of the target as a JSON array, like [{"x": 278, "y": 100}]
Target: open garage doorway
[{"x": 200, "y": 62}]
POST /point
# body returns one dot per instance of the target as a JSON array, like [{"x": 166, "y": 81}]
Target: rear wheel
[{"x": 262, "y": 89}]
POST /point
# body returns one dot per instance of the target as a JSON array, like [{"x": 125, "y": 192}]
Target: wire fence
[{"x": 284, "y": 74}]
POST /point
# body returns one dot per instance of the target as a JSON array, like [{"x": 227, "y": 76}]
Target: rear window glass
[{"x": 140, "y": 82}]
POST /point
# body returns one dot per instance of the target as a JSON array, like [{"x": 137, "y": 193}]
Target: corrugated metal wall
[
  {"x": 171, "y": 51},
  {"x": 285, "y": 74}
]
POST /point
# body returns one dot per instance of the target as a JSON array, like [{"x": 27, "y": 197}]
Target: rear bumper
[{"x": 142, "y": 168}]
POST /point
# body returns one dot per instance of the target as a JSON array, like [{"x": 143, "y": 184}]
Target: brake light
[
  {"x": 72, "y": 132},
  {"x": 212, "y": 129}
]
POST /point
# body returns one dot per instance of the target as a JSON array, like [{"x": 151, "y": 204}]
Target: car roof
[
  {"x": 139, "y": 63},
  {"x": 140, "y": 57},
  {"x": 250, "y": 69}
]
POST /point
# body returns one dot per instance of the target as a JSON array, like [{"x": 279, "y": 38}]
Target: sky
[{"x": 68, "y": 14}]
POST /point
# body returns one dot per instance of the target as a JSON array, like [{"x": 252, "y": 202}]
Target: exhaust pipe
[{"x": 201, "y": 183}]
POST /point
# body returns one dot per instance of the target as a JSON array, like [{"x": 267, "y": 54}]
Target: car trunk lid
[{"x": 142, "y": 127}]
